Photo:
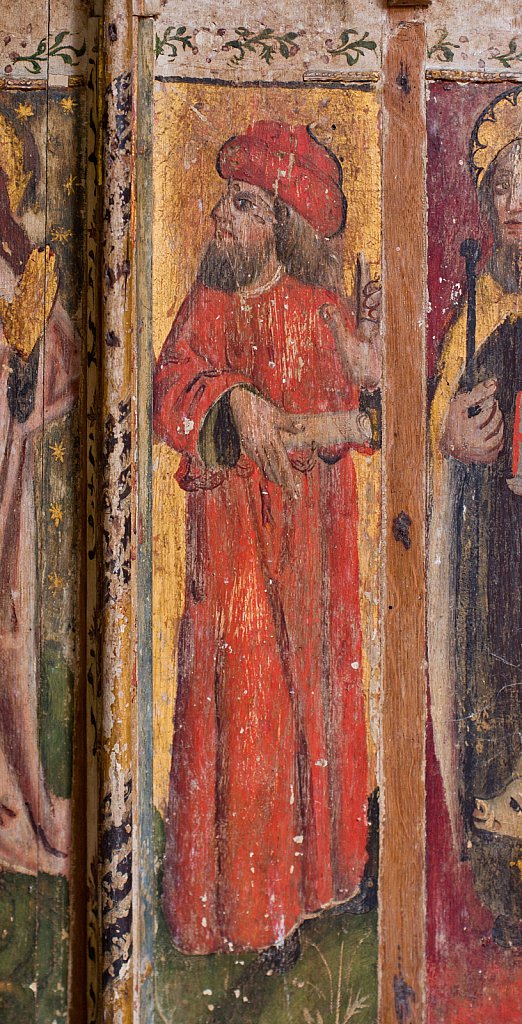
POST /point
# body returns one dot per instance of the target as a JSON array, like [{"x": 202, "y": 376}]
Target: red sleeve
[{"x": 191, "y": 373}]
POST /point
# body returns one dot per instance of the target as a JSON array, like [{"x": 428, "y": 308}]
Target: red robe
[{"x": 269, "y": 781}]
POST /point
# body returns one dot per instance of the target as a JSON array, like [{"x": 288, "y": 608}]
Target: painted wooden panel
[
  {"x": 42, "y": 539},
  {"x": 110, "y": 183},
  {"x": 265, "y": 632},
  {"x": 474, "y": 838}
]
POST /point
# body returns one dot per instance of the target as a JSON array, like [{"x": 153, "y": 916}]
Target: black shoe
[
  {"x": 283, "y": 957},
  {"x": 363, "y": 901}
]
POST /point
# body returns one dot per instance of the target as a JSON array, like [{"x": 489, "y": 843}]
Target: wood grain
[{"x": 401, "y": 893}]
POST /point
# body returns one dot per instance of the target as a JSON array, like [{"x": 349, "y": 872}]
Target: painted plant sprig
[
  {"x": 45, "y": 50},
  {"x": 332, "y": 1000},
  {"x": 266, "y": 43},
  {"x": 511, "y": 57},
  {"x": 171, "y": 40},
  {"x": 443, "y": 49},
  {"x": 351, "y": 48}
]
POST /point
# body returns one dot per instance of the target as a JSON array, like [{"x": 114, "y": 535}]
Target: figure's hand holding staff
[{"x": 473, "y": 429}]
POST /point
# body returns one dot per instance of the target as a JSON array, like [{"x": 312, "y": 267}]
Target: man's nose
[{"x": 221, "y": 209}]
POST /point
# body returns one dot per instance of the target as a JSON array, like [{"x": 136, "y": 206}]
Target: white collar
[{"x": 248, "y": 293}]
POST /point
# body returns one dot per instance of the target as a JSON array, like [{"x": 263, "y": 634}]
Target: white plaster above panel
[
  {"x": 30, "y": 48},
  {"x": 275, "y": 41},
  {"x": 471, "y": 35}
]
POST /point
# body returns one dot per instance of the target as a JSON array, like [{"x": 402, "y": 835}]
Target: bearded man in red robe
[{"x": 258, "y": 387}]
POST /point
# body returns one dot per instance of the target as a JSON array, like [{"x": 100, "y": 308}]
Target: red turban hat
[{"x": 289, "y": 162}]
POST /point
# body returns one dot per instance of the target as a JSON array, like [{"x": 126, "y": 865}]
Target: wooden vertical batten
[
  {"x": 93, "y": 538},
  {"x": 118, "y": 627},
  {"x": 143, "y": 843},
  {"x": 402, "y": 870}
]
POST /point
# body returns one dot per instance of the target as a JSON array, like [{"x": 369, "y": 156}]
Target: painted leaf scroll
[{"x": 266, "y": 530}]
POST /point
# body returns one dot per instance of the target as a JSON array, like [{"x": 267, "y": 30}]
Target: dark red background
[{"x": 453, "y": 213}]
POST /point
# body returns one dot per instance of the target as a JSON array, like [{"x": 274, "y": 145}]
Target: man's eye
[
  {"x": 501, "y": 186},
  {"x": 243, "y": 204},
  {"x": 515, "y": 806}
]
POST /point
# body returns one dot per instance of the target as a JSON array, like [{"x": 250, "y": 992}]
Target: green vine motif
[
  {"x": 443, "y": 49},
  {"x": 171, "y": 40},
  {"x": 509, "y": 58},
  {"x": 45, "y": 51},
  {"x": 350, "y": 48},
  {"x": 266, "y": 43}
]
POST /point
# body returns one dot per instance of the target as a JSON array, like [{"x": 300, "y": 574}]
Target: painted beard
[
  {"x": 227, "y": 269},
  {"x": 506, "y": 264}
]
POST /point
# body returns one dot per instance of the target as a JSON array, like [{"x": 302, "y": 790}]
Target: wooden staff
[{"x": 470, "y": 251}]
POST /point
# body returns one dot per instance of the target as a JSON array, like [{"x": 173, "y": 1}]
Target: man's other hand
[
  {"x": 478, "y": 438},
  {"x": 259, "y": 425}
]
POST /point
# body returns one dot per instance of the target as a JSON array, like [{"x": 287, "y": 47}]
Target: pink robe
[{"x": 24, "y": 800}]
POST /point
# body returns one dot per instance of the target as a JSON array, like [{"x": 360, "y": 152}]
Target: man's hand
[
  {"x": 360, "y": 350},
  {"x": 327, "y": 429},
  {"x": 474, "y": 438},
  {"x": 260, "y": 425}
]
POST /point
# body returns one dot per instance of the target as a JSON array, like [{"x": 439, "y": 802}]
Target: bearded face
[
  {"x": 231, "y": 267},
  {"x": 243, "y": 240},
  {"x": 507, "y": 195},
  {"x": 250, "y": 227},
  {"x": 501, "y": 204}
]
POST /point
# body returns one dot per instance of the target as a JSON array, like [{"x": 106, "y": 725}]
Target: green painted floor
[
  {"x": 33, "y": 949},
  {"x": 334, "y": 982}
]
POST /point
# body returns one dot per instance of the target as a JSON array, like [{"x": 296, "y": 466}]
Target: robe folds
[
  {"x": 46, "y": 389},
  {"x": 494, "y": 307},
  {"x": 266, "y": 821},
  {"x": 475, "y": 572}
]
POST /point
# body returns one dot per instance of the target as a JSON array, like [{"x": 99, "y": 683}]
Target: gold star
[
  {"x": 58, "y": 449},
  {"x": 24, "y": 111},
  {"x": 68, "y": 104},
  {"x": 71, "y": 184},
  {"x": 56, "y": 513},
  {"x": 55, "y": 581},
  {"x": 60, "y": 234}
]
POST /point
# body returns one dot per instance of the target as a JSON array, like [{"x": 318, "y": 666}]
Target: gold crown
[
  {"x": 12, "y": 162},
  {"x": 498, "y": 126}
]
